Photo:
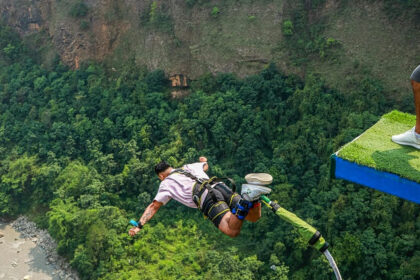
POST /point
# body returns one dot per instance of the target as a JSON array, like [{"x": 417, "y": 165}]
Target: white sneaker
[
  {"x": 254, "y": 191},
  {"x": 407, "y": 138},
  {"x": 259, "y": 178}
]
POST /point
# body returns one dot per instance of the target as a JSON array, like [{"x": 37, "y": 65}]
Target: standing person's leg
[
  {"x": 412, "y": 136},
  {"x": 416, "y": 92}
]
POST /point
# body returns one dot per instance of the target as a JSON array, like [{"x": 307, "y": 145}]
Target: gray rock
[{"x": 29, "y": 231}]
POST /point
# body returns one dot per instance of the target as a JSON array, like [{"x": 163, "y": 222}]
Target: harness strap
[
  {"x": 188, "y": 174},
  {"x": 203, "y": 184},
  {"x": 217, "y": 215},
  {"x": 231, "y": 198}
]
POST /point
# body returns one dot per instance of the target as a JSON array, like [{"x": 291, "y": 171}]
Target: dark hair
[{"x": 161, "y": 166}]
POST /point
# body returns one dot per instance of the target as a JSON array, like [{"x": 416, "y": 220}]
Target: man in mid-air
[
  {"x": 191, "y": 186},
  {"x": 412, "y": 136}
]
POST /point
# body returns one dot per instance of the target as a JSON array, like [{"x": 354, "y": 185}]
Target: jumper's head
[{"x": 163, "y": 169}]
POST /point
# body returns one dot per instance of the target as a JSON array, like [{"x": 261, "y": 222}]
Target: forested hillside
[
  {"x": 336, "y": 38},
  {"x": 77, "y": 150}
]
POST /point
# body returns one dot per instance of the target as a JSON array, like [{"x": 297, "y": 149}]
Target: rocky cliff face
[
  {"x": 194, "y": 37},
  {"x": 73, "y": 41},
  {"x": 237, "y": 37}
]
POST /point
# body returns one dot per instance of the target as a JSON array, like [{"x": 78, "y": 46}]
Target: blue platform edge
[{"x": 372, "y": 178}]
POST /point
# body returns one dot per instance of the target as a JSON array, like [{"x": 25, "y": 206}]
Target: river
[{"x": 29, "y": 253}]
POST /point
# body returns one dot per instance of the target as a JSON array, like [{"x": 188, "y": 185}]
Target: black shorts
[{"x": 225, "y": 201}]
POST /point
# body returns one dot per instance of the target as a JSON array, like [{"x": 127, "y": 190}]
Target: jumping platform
[{"x": 373, "y": 160}]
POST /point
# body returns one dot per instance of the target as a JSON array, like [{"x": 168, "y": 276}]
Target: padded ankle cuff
[
  {"x": 242, "y": 208},
  {"x": 240, "y": 213}
]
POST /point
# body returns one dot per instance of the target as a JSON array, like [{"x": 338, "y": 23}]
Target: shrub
[
  {"x": 215, "y": 11},
  {"x": 152, "y": 14},
  {"x": 190, "y": 3},
  {"x": 156, "y": 81},
  {"x": 79, "y": 9},
  {"x": 84, "y": 25},
  {"x": 287, "y": 28},
  {"x": 331, "y": 42}
]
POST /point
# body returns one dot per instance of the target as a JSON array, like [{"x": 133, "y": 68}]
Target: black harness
[{"x": 201, "y": 185}]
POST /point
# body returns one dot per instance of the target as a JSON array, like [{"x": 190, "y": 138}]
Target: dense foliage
[
  {"x": 77, "y": 150},
  {"x": 397, "y": 8}
]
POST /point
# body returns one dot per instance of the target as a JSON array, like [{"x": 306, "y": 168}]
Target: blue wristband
[{"x": 134, "y": 223}]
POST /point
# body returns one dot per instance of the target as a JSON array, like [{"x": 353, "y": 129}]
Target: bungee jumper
[{"x": 191, "y": 186}]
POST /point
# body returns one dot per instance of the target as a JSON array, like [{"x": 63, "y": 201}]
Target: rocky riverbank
[{"x": 30, "y": 253}]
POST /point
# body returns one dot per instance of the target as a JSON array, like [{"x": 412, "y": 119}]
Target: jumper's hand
[
  {"x": 133, "y": 231},
  {"x": 202, "y": 159},
  {"x": 205, "y": 166}
]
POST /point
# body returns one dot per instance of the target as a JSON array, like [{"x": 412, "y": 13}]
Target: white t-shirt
[{"x": 179, "y": 187}]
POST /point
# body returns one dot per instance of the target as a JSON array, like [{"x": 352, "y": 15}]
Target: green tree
[{"x": 79, "y": 9}]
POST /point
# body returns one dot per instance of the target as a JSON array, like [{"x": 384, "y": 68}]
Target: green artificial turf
[{"x": 374, "y": 147}]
